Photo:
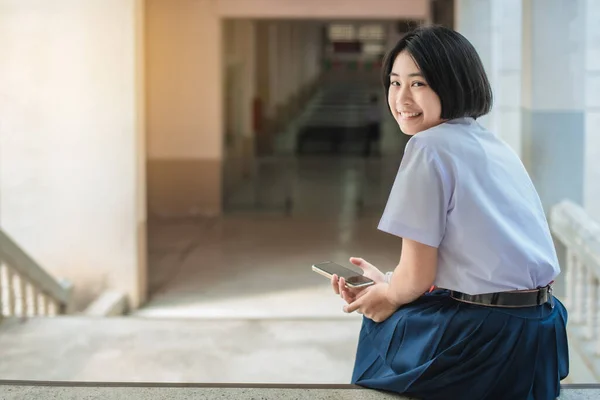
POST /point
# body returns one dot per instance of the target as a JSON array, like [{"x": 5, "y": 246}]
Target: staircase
[
  {"x": 26, "y": 289},
  {"x": 335, "y": 120}
]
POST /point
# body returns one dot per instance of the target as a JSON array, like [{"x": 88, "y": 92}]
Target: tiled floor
[{"x": 257, "y": 264}]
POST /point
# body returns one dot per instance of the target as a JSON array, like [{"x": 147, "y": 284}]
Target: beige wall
[
  {"x": 70, "y": 139},
  {"x": 328, "y": 9},
  {"x": 184, "y": 100}
]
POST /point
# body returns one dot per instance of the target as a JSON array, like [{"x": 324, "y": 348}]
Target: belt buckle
[{"x": 549, "y": 297}]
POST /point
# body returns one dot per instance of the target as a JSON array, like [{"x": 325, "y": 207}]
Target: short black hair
[{"x": 450, "y": 65}]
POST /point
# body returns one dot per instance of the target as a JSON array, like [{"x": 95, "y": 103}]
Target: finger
[
  {"x": 360, "y": 263},
  {"x": 335, "y": 284},
  {"x": 355, "y": 305},
  {"x": 345, "y": 297},
  {"x": 357, "y": 261},
  {"x": 348, "y": 297},
  {"x": 361, "y": 294},
  {"x": 342, "y": 285},
  {"x": 355, "y": 290}
]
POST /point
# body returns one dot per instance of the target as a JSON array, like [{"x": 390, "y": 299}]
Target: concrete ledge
[
  {"x": 10, "y": 390},
  {"x": 108, "y": 304},
  {"x": 24, "y": 390}
]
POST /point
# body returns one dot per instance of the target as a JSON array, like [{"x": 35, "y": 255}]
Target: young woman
[{"x": 473, "y": 227}]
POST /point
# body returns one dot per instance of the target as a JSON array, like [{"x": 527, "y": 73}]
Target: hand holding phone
[{"x": 353, "y": 279}]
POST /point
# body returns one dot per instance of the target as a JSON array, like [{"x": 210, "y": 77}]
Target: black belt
[{"x": 517, "y": 298}]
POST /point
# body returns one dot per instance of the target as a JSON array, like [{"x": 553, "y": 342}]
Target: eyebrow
[{"x": 409, "y": 75}]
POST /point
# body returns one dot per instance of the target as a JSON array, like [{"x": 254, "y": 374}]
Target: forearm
[
  {"x": 414, "y": 274},
  {"x": 405, "y": 287}
]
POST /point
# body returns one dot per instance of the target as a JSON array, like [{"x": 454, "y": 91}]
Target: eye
[
  {"x": 418, "y": 84},
  {"x": 394, "y": 83}
]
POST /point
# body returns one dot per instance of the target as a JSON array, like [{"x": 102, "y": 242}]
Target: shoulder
[
  {"x": 450, "y": 140},
  {"x": 437, "y": 138},
  {"x": 432, "y": 144}
]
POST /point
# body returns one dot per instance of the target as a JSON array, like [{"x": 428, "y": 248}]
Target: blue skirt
[{"x": 440, "y": 348}]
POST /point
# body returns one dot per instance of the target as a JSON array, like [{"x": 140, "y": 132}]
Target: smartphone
[{"x": 353, "y": 279}]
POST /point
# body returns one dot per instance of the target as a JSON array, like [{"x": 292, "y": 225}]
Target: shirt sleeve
[{"x": 418, "y": 203}]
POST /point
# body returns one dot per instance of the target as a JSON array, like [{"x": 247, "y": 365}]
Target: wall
[
  {"x": 327, "y": 9},
  {"x": 70, "y": 136},
  {"x": 537, "y": 74},
  {"x": 592, "y": 110},
  {"x": 184, "y": 107},
  {"x": 553, "y": 115}
]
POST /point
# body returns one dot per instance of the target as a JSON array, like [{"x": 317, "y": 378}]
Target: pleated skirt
[{"x": 440, "y": 348}]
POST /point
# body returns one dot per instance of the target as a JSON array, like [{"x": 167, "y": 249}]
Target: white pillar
[
  {"x": 494, "y": 29},
  {"x": 553, "y": 84},
  {"x": 592, "y": 110},
  {"x": 505, "y": 71}
]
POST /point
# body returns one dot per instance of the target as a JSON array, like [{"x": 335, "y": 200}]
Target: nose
[{"x": 403, "y": 96}]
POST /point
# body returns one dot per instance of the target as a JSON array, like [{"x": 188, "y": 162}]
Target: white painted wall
[
  {"x": 592, "y": 110},
  {"x": 70, "y": 139}
]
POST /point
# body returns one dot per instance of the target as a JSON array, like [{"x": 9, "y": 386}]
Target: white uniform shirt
[{"x": 463, "y": 190}]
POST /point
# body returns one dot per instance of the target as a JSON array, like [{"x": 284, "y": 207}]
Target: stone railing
[
  {"x": 26, "y": 289},
  {"x": 580, "y": 235}
]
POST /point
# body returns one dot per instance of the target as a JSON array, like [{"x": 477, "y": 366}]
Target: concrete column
[
  {"x": 185, "y": 107},
  {"x": 506, "y": 71},
  {"x": 475, "y": 23},
  {"x": 532, "y": 51},
  {"x": 553, "y": 82},
  {"x": 72, "y": 188},
  {"x": 592, "y": 110},
  {"x": 494, "y": 29}
]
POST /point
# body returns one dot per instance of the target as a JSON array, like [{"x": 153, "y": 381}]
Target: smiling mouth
[{"x": 409, "y": 115}]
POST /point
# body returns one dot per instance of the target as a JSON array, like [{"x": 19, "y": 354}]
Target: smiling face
[{"x": 415, "y": 106}]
